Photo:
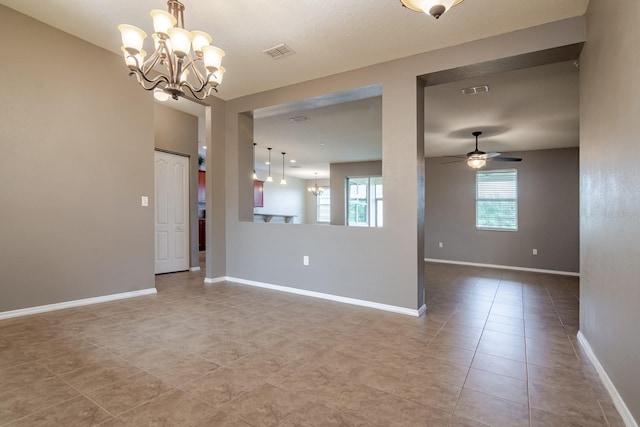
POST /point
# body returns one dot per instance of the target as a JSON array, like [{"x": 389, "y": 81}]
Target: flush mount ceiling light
[
  {"x": 434, "y": 8},
  {"x": 182, "y": 60}
]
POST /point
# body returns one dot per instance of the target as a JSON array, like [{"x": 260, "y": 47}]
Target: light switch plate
[{"x": 144, "y": 201}]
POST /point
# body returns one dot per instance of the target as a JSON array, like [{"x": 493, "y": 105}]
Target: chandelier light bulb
[
  {"x": 200, "y": 39},
  {"x": 181, "y": 41},
  {"x": 132, "y": 38},
  {"x": 212, "y": 56},
  {"x": 162, "y": 21}
]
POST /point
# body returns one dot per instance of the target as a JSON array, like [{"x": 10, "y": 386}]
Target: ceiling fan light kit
[
  {"x": 182, "y": 60},
  {"x": 435, "y": 8},
  {"x": 477, "y": 159}
]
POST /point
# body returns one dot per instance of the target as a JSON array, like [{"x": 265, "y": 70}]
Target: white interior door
[{"x": 171, "y": 212}]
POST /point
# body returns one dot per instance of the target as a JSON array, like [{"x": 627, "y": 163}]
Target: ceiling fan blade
[
  {"x": 493, "y": 154},
  {"x": 506, "y": 159},
  {"x": 453, "y": 161},
  {"x": 461, "y": 156}
]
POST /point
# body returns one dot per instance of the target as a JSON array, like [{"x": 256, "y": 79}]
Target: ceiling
[
  {"x": 529, "y": 109},
  {"x": 328, "y": 36}
]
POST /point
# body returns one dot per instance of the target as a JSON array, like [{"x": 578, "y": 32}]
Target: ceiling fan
[{"x": 478, "y": 159}]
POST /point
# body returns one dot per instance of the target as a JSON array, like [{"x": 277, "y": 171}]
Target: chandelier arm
[
  {"x": 153, "y": 83},
  {"x": 166, "y": 60},
  {"x": 196, "y": 93},
  {"x": 198, "y": 74},
  {"x": 150, "y": 63}
]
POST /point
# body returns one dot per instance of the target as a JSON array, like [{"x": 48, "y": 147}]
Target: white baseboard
[
  {"x": 345, "y": 300},
  {"x": 195, "y": 269},
  {"x": 622, "y": 408},
  {"x": 503, "y": 267},
  {"x": 75, "y": 303},
  {"x": 215, "y": 279}
]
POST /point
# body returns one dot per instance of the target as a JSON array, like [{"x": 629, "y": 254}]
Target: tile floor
[{"x": 496, "y": 348}]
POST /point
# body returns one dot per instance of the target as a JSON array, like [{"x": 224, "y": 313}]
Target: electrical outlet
[
  {"x": 144, "y": 201},
  {"x": 535, "y": 252},
  {"x": 305, "y": 260},
  {"x": 440, "y": 244}
]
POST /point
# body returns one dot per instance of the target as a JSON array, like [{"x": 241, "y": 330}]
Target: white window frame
[
  {"x": 326, "y": 195},
  {"x": 374, "y": 205},
  {"x": 507, "y": 192}
]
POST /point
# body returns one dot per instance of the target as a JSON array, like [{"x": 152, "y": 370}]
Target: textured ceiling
[{"x": 328, "y": 36}]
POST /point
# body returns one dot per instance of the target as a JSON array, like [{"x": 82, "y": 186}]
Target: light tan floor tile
[
  {"x": 382, "y": 377},
  {"x": 222, "y": 386},
  {"x": 93, "y": 376},
  {"x": 396, "y": 411},
  {"x": 75, "y": 412},
  {"x": 305, "y": 362},
  {"x": 265, "y": 405},
  {"x": 315, "y": 415},
  {"x": 33, "y": 397},
  {"x": 540, "y": 418},
  {"x": 12, "y": 378},
  {"x": 491, "y": 410},
  {"x": 302, "y": 379},
  {"x": 128, "y": 393},
  {"x": 497, "y": 385},
  {"x": 500, "y": 365},
  {"x": 353, "y": 399},
  {"x": 564, "y": 401},
  {"x": 174, "y": 408},
  {"x": 428, "y": 392}
]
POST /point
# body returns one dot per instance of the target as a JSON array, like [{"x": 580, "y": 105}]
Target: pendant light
[
  {"x": 283, "y": 181},
  {"x": 255, "y": 175},
  {"x": 269, "y": 179}
]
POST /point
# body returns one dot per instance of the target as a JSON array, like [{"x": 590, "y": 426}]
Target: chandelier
[
  {"x": 182, "y": 60},
  {"x": 316, "y": 190},
  {"x": 434, "y": 8}
]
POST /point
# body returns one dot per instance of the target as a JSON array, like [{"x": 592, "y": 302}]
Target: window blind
[{"x": 497, "y": 199}]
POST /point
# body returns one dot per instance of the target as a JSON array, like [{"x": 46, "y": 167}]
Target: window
[
  {"x": 497, "y": 200},
  {"x": 323, "y": 205},
  {"x": 364, "y": 202}
]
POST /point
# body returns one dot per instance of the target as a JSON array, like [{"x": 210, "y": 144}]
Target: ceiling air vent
[
  {"x": 279, "y": 51},
  {"x": 475, "y": 90}
]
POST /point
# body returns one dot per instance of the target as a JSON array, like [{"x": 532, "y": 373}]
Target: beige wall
[
  {"x": 77, "y": 155},
  {"x": 610, "y": 193},
  {"x": 216, "y": 257},
  {"x": 381, "y": 265},
  {"x": 548, "y": 213},
  {"x": 177, "y": 132}
]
